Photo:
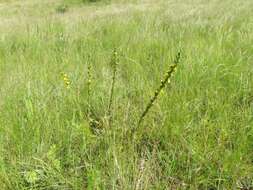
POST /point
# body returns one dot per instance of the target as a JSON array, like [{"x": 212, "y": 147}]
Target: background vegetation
[{"x": 197, "y": 135}]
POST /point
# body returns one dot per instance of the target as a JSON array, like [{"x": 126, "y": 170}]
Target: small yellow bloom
[{"x": 66, "y": 80}]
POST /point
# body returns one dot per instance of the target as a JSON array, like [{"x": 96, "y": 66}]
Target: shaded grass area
[{"x": 198, "y": 135}]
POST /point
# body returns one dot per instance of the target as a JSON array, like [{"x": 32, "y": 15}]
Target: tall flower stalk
[
  {"x": 163, "y": 83},
  {"x": 114, "y": 64},
  {"x": 89, "y": 86}
]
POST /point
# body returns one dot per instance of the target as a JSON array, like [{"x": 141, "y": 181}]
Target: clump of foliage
[{"x": 62, "y": 8}]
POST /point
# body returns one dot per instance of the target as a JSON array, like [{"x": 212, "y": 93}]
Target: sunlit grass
[{"x": 57, "y": 78}]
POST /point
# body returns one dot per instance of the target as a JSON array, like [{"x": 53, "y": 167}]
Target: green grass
[{"x": 197, "y": 135}]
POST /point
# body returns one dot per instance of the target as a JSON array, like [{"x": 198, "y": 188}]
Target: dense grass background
[{"x": 198, "y": 135}]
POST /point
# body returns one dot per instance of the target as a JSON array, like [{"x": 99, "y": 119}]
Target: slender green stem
[
  {"x": 114, "y": 63},
  {"x": 89, "y": 86}
]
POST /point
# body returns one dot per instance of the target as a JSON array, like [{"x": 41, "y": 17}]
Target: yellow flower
[{"x": 66, "y": 80}]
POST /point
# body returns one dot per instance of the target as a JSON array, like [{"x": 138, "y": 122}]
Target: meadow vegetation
[{"x": 76, "y": 78}]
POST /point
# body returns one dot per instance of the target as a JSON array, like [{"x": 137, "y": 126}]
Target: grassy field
[{"x": 76, "y": 76}]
